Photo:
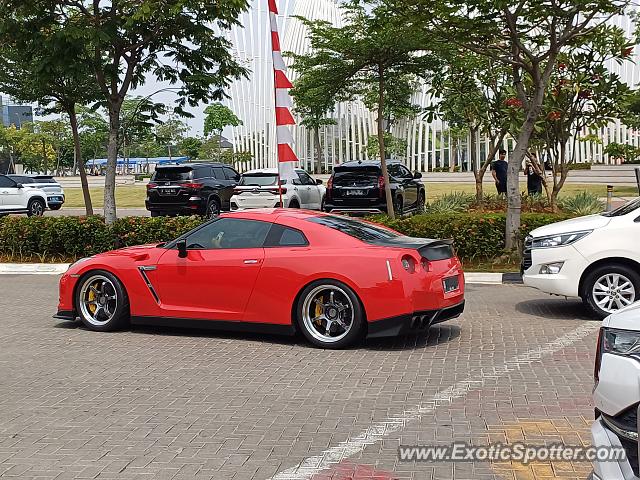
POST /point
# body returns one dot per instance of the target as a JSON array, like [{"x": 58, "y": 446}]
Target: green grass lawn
[{"x": 132, "y": 196}]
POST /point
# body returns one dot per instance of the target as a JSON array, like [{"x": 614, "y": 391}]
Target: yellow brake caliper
[
  {"x": 319, "y": 312},
  {"x": 92, "y": 297}
]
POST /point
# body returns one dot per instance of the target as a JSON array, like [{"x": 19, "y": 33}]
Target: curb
[
  {"x": 482, "y": 278},
  {"x": 33, "y": 268},
  {"x": 492, "y": 278}
]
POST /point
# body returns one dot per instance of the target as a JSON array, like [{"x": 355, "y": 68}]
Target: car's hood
[
  {"x": 627, "y": 318},
  {"x": 590, "y": 222},
  {"x": 138, "y": 252}
]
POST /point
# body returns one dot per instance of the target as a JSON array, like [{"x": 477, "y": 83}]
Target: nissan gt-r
[{"x": 334, "y": 279}]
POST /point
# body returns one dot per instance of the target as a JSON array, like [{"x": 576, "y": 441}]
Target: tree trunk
[
  {"x": 473, "y": 158},
  {"x": 45, "y": 163},
  {"x": 73, "y": 120},
  {"x": 319, "y": 155},
  {"x": 110, "y": 214},
  {"x": 383, "y": 159}
]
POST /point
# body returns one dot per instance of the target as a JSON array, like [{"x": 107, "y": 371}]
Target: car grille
[
  {"x": 527, "y": 260},
  {"x": 626, "y": 421}
]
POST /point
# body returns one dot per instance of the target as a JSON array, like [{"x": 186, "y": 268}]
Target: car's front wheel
[
  {"x": 609, "y": 288},
  {"x": 36, "y": 208},
  {"x": 102, "y": 302},
  {"x": 330, "y": 315}
]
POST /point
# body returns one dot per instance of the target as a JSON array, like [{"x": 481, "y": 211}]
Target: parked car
[
  {"x": 358, "y": 187},
  {"x": 55, "y": 192},
  {"x": 616, "y": 394},
  {"x": 333, "y": 278},
  {"x": 595, "y": 258},
  {"x": 259, "y": 189},
  {"x": 16, "y": 198},
  {"x": 191, "y": 189}
]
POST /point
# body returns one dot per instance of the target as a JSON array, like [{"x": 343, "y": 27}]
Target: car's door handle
[{"x": 251, "y": 261}]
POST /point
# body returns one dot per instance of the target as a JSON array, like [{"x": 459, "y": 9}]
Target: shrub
[
  {"x": 476, "y": 236},
  {"x": 451, "y": 203},
  {"x": 70, "y": 238},
  {"x": 583, "y": 203},
  {"x": 580, "y": 166}
]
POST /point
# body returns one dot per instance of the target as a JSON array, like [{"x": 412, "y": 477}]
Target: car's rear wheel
[
  {"x": 102, "y": 302},
  {"x": 294, "y": 204},
  {"x": 421, "y": 202},
  {"x": 35, "y": 208},
  {"x": 213, "y": 208},
  {"x": 330, "y": 315},
  {"x": 609, "y": 288},
  {"x": 398, "y": 206}
]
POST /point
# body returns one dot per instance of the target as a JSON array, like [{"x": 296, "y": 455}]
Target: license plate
[
  {"x": 55, "y": 199},
  {"x": 450, "y": 284},
  {"x": 356, "y": 193},
  {"x": 169, "y": 191}
]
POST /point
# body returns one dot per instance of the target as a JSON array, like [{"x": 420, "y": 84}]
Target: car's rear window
[
  {"x": 259, "y": 179},
  {"x": 21, "y": 179},
  {"x": 172, "y": 174},
  {"x": 356, "y": 176},
  {"x": 364, "y": 231},
  {"x": 38, "y": 179}
]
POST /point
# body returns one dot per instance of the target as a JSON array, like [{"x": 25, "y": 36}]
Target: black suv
[
  {"x": 191, "y": 189},
  {"x": 358, "y": 187}
]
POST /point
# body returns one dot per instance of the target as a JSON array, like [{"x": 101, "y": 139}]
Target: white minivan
[{"x": 596, "y": 258}]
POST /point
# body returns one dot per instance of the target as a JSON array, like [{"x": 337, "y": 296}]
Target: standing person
[
  {"x": 534, "y": 175},
  {"x": 499, "y": 172}
]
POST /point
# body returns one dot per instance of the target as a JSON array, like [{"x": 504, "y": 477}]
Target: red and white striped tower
[{"x": 285, "y": 155}]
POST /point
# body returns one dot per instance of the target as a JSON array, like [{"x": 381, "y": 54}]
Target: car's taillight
[
  {"x": 596, "y": 367},
  {"x": 192, "y": 185},
  {"x": 237, "y": 191},
  {"x": 381, "y": 186},
  {"x": 329, "y": 187},
  {"x": 151, "y": 185},
  {"x": 276, "y": 190}
]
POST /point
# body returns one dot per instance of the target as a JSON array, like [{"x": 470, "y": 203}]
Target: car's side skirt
[{"x": 268, "y": 328}]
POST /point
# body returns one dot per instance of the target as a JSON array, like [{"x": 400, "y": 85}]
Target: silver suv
[
  {"x": 54, "y": 191},
  {"x": 16, "y": 198}
]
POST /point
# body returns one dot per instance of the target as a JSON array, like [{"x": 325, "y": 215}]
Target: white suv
[
  {"x": 54, "y": 191},
  {"x": 259, "y": 189},
  {"x": 15, "y": 198},
  {"x": 616, "y": 394},
  {"x": 595, "y": 258}
]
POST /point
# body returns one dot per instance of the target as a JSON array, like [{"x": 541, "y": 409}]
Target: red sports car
[{"x": 333, "y": 278}]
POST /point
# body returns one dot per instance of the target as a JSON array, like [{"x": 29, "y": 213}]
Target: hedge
[
  {"x": 69, "y": 238},
  {"x": 476, "y": 235}
]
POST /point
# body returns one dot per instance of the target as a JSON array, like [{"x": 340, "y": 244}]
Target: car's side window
[
  {"x": 404, "y": 172},
  {"x": 228, "y": 233},
  {"x": 394, "y": 171},
  {"x": 281, "y": 236},
  {"x": 231, "y": 174},
  {"x": 202, "y": 172},
  {"x": 306, "y": 179},
  {"x": 6, "y": 182},
  {"x": 218, "y": 173}
]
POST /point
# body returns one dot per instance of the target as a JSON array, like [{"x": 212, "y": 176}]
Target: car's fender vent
[{"x": 143, "y": 272}]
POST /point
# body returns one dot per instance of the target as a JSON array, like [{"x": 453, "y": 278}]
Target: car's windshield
[
  {"x": 367, "y": 232},
  {"x": 259, "y": 179},
  {"x": 171, "y": 174},
  {"x": 624, "y": 209}
]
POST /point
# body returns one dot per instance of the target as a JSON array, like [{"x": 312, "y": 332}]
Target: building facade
[
  {"x": 429, "y": 144},
  {"x": 12, "y": 114}
]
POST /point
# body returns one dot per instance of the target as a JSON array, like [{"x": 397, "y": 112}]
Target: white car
[
  {"x": 616, "y": 394},
  {"x": 54, "y": 191},
  {"x": 259, "y": 189},
  {"x": 595, "y": 258},
  {"x": 16, "y": 198}
]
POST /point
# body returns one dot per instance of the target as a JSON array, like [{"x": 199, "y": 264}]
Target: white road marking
[
  {"x": 33, "y": 268},
  {"x": 377, "y": 432}
]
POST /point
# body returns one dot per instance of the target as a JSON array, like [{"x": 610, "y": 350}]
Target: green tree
[
  {"x": 365, "y": 59},
  {"x": 190, "y": 147},
  {"x": 623, "y": 151},
  {"x": 128, "y": 42},
  {"x": 394, "y": 146},
  {"x": 527, "y": 36},
  {"x": 217, "y": 117},
  {"x": 170, "y": 133},
  {"x": 42, "y": 62}
]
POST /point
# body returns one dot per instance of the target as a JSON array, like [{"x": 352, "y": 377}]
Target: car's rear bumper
[
  {"x": 413, "y": 322},
  {"x": 191, "y": 208}
]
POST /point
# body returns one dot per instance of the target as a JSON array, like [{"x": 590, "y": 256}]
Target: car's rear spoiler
[{"x": 431, "y": 249}]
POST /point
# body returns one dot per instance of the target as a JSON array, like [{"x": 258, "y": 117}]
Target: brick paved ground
[{"x": 160, "y": 403}]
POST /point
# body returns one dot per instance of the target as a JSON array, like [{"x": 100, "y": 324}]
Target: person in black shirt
[
  {"x": 534, "y": 175},
  {"x": 499, "y": 172}
]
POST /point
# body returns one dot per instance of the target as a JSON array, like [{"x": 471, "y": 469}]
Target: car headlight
[
  {"x": 78, "y": 262},
  {"x": 620, "y": 342},
  {"x": 559, "y": 240}
]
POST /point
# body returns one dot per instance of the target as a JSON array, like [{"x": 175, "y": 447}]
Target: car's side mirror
[
  {"x": 417, "y": 175},
  {"x": 19, "y": 185},
  {"x": 318, "y": 182},
  {"x": 238, "y": 177},
  {"x": 182, "y": 248}
]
